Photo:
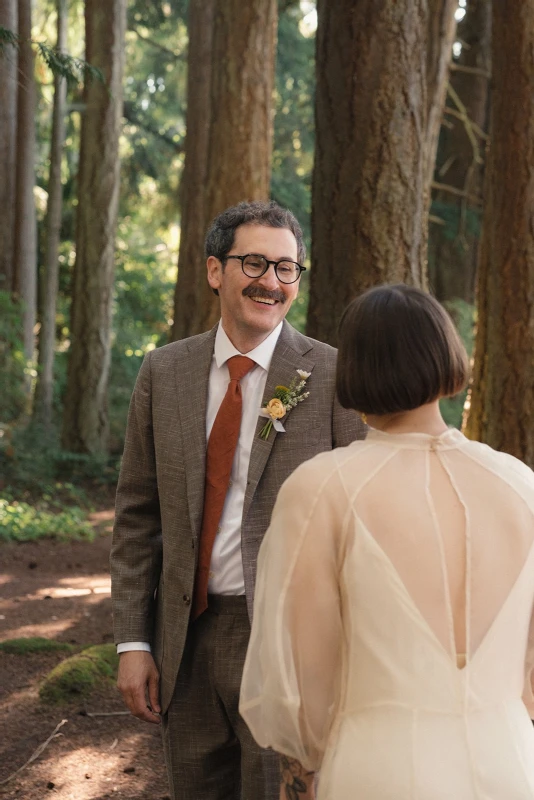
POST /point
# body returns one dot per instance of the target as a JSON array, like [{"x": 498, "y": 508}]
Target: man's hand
[{"x": 138, "y": 682}]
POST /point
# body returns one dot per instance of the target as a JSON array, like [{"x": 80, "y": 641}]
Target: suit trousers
[{"x": 209, "y": 751}]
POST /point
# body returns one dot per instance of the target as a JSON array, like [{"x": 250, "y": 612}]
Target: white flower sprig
[{"x": 285, "y": 398}]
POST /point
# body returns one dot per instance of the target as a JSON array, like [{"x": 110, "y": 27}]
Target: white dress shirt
[{"x": 226, "y": 574}]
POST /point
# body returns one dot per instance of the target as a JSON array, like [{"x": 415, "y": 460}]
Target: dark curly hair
[{"x": 221, "y": 233}]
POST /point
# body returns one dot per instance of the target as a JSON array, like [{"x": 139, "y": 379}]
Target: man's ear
[{"x": 215, "y": 271}]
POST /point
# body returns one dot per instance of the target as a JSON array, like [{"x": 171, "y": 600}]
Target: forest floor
[{"x": 61, "y": 591}]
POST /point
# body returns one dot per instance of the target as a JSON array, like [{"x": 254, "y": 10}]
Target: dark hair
[
  {"x": 398, "y": 349},
  {"x": 221, "y": 233}
]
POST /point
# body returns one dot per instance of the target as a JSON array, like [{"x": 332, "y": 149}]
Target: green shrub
[
  {"x": 33, "y": 644},
  {"x": 22, "y": 522},
  {"x": 31, "y": 459},
  {"x": 78, "y": 675},
  {"x": 12, "y": 361}
]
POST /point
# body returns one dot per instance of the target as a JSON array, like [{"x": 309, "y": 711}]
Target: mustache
[{"x": 258, "y": 291}]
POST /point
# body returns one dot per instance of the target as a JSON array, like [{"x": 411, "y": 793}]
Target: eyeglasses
[{"x": 254, "y": 266}]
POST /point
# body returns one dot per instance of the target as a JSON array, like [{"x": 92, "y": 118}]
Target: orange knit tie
[{"x": 219, "y": 458}]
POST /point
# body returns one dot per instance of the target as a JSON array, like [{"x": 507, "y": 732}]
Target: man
[{"x": 195, "y": 495}]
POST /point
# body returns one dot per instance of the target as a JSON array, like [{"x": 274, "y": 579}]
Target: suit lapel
[
  {"x": 291, "y": 353},
  {"x": 192, "y": 377}
]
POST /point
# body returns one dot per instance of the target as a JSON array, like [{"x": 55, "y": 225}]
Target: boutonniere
[{"x": 285, "y": 398}]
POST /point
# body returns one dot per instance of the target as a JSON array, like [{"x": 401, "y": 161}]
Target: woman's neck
[{"x": 425, "y": 419}]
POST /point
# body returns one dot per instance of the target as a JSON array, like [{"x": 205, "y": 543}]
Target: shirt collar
[{"x": 262, "y": 354}]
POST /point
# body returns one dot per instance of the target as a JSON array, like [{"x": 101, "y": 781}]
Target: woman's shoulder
[
  {"x": 504, "y": 464},
  {"x": 324, "y": 467}
]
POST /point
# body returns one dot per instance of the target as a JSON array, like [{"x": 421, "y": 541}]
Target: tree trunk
[
  {"x": 441, "y": 33},
  {"x": 369, "y": 207},
  {"x": 8, "y": 136},
  {"x": 85, "y": 424},
  {"x": 191, "y": 262},
  {"x": 453, "y": 246},
  {"x": 240, "y": 136},
  {"x": 25, "y": 247},
  {"x": 47, "y": 338},
  {"x": 502, "y": 395}
]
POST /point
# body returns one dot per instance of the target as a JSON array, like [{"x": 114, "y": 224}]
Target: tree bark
[
  {"x": 240, "y": 137},
  {"x": 369, "y": 205},
  {"x": 8, "y": 135},
  {"x": 502, "y": 395},
  {"x": 453, "y": 246},
  {"x": 25, "y": 246},
  {"x": 191, "y": 266},
  {"x": 44, "y": 390},
  {"x": 85, "y": 424},
  {"x": 440, "y": 39}
]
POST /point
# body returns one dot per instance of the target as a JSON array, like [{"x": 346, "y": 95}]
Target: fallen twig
[
  {"x": 38, "y": 752},
  {"x": 108, "y": 714}
]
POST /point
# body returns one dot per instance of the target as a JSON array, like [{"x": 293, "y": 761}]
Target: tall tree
[
  {"x": 502, "y": 397},
  {"x": 240, "y": 138},
  {"x": 454, "y": 232},
  {"x": 440, "y": 38},
  {"x": 25, "y": 228},
  {"x": 47, "y": 335},
  {"x": 373, "y": 139},
  {"x": 8, "y": 133},
  {"x": 85, "y": 424},
  {"x": 191, "y": 271}
]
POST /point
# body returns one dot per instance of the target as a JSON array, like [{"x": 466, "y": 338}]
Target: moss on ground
[
  {"x": 78, "y": 675},
  {"x": 33, "y": 644}
]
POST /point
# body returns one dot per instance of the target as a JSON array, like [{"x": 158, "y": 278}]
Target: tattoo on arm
[{"x": 294, "y": 778}]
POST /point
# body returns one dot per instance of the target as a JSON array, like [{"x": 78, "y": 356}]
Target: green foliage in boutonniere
[{"x": 285, "y": 398}]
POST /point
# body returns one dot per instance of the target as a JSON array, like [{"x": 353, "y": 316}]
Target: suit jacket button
[{"x": 187, "y": 600}]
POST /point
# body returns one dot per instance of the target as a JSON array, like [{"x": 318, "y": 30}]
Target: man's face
[{"x": 252, "y": 307}]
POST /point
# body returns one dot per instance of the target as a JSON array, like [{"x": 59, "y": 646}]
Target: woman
[{"x": 390, "y": 640}]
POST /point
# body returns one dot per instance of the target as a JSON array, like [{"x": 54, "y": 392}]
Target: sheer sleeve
[
  {"x": 291, "y": 680},
  {"x": 528, "y": 691}
]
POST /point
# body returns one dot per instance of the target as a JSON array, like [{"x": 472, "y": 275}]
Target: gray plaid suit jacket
[{"x": 161, "y": 485}]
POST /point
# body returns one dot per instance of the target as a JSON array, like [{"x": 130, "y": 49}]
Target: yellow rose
[{"x": 275, "y": 408}]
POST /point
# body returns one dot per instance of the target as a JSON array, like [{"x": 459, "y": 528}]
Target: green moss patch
[
  {"x": 78, "y": 675},
  {"x": 33, "y": 644}
]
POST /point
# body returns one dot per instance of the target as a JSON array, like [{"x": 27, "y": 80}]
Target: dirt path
[{"x": 62, "y": 592}]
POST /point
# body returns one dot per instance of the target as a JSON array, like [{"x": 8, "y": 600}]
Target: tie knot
[{"x": 238, "y": 366}]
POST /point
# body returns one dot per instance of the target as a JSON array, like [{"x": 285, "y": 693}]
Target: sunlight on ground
[
  {"x": 98, "y": 518},
  {"x": 92, "y": 589},
  {"x": 87, "y": 772},
  {"x": 49, "y": 629},
  {"x": 92, "y": 582},
  {"x": 77, "y": 587},
  {"x": 14, "y": 698},
  {"x": 62, "y": 591}
]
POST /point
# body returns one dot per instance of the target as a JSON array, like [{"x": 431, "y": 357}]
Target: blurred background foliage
[
  {"x": 152, "y": 158},
  {"x": 151, "y": 149}
]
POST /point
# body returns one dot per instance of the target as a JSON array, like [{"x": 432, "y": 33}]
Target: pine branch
[
  {"x": 470, "y": 70},
  {"x": 8, "y": 37},
  {"x": 130, "y": 115},
  {"x": 445, "y": 187},
  {"x": 171, "y": 53},
  {"x": 74, "y": 70}
]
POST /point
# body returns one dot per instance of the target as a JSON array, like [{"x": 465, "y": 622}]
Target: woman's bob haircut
[{"x": 398, "y": 350}]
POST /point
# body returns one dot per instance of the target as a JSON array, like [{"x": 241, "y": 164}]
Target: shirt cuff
[{"x": 126, "y": 647}]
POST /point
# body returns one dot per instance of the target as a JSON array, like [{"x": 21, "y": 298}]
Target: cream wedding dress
[{"x": 390, "y": 644}]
